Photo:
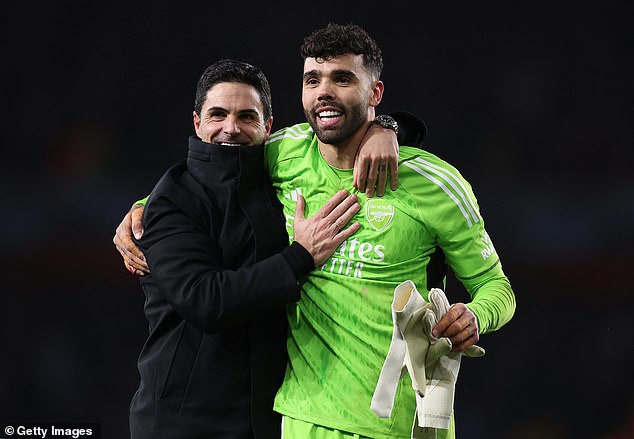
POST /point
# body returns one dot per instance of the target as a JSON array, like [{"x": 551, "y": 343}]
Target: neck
[{"x": 343, "y": 154}]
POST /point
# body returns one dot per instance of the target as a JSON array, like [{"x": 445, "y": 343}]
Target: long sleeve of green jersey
[
  {"x": 493, "y": 302},
  {"x": 449, "y": 208}
]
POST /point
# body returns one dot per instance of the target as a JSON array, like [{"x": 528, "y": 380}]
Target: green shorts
[{"x": 296, "y": 429}]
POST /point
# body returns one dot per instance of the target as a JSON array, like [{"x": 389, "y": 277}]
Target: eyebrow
[
  {"x": 247, "y": 110},
  {"x": 316, "y": 72},
  {"x": 310, "y": 73}
]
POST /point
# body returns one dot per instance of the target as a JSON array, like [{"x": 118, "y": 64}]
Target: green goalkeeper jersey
[{"x": 341, "y": 329}]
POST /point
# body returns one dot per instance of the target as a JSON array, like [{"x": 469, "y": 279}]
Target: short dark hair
[
  {"x": 231, "y": 70},
  {"x": 341, "y": 39}
]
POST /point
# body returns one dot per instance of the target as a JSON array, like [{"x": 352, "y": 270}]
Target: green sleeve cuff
[
  {"x": 141, "y": 202},
  {"x": 493, "y": 304}
]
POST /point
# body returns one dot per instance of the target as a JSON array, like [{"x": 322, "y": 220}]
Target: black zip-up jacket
[{"x": 221, "y": 272}]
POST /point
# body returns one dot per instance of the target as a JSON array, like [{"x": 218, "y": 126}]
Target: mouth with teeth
[{"x": 329, "y": 117}]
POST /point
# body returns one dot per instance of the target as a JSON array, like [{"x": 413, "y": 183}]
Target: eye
[
  {"x": 248, "y": 117},
  {"x": 343, "y": 80},
  {"x": 217, "y": 115},
  {"x": 311, "y": 82}
]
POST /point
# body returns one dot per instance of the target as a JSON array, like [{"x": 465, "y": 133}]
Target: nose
[
  {"x": 325, "y": 91},
  {"x": 230, "y": 125}
]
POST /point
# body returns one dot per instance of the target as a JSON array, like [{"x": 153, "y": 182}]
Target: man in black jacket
[{"x": 222, "y": 270}]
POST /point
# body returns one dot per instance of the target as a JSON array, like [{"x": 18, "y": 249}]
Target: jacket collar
[{"x": 209, "y": 162}]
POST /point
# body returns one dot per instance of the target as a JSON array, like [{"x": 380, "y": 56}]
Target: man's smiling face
[
  {"x": 336, "y": 95},
  {"x": 232, "y": 115}
]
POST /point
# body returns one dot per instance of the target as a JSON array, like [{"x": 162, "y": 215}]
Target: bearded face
[
  {"x": 336, "y": 96},
  {"x": 334, "y": 123}
]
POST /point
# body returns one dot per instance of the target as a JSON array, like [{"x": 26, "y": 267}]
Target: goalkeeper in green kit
[{"x": 341, "y": 329}]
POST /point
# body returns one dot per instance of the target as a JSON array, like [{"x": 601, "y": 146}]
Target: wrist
[
  {"x": 299, "y": 259},
  {"x": 386, "y": 121}
]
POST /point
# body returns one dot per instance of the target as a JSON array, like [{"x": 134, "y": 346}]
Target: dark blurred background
[{"x": 532, "y": 101}]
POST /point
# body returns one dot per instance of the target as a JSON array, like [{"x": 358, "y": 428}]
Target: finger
[
  {"x": 331, "y": 204},
  {"x": 116, "y": 241},
  {"x": 456, "y": 328},
  {"x": 137, "y": 225},
  {"x": 455, "y": 320},
  {"x": 120, "y": 247},
  {"x": 348, "y": 232},
  {"x": 137, "y": 266},
  {"x": 132, "y": 259},
  {"x": 459, "y": 331},
  {"x": 382, "y": 180},
  {"x": 138, "y": 263},
  {"x": 341, "y": 214},
  {"x": 124, "y": 229},
  {"x": 371, "y": 182},
  {"x": 440, "y": 330},
  {"x": 460, "y": 346},
  {"x": 135, "y": 269},
  {"x": 130, "y": 268},
  {"x": 341, "y": 222},
  {"x": 360, "y": 174},
  {"x": 300, "y": 208},
  {"x": 139, "y": 272},
  {"x": 393, "y": 174},
  {"x": 347, "y": 215},
  {"x": 132, "y": 250},
  {"x": 128, "y": 250}
]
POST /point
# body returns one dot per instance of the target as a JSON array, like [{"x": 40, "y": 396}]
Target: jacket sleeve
[{"x": 186, "y": 268}]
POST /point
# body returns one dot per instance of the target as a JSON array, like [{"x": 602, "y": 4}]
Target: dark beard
[{"x": 355, "y": 118}]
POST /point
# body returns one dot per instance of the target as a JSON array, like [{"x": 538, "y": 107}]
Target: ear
[
  {"x": 377, "y": 93},
  {"x": 196, "y": 123},
  {"x": 269, "y": 125}
]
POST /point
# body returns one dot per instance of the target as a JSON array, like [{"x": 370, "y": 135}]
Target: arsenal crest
[{"x": 379, "y": 213}]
